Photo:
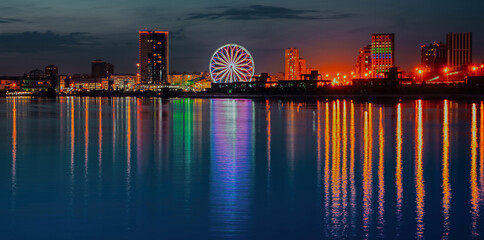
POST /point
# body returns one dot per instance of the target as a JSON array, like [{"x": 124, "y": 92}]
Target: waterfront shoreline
[
  {"x": 267, "y": 96},
  {"x": 336, "y": 96}
]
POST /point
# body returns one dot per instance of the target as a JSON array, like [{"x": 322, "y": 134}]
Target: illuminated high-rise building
[
  {"x": 302, "y": 67},
  {"x": 459, "y": 50},
  {"x": 363, "y": 62},
  {"x": 434, "y": 57},
  {"x": 153, "y": 57},
  {"x": 292, "y": 64},
  {"x": 382, "y": 53}
]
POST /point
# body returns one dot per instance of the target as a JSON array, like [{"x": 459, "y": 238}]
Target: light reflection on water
[
  {"x": 419, "y": 180},
  {"x": 231, "y": 162},
  {"x": 446, "y": 187},
  {"x": 398, "y": 171},
  {"x": 244, "y": 169}
]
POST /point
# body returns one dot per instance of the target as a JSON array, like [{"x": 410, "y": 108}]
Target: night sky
[{"x": 70, "y": 34}]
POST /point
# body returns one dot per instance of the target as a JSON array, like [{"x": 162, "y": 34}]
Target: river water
[{"x": 141, "y": 168}]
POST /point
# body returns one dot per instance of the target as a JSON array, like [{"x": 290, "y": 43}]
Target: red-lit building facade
[
  {"x": 292, "y": 64},
  {"x": 302, "y": 67},
  {"x": 363, "y": 62},
  {"x": 382, "y": 53}
]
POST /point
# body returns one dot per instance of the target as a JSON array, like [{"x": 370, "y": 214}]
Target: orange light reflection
[
  {"x": 381, "y": 176},
  {"x": 446, "y": 189},
  {"x": 326, "y": 163},
  {"x": 335, "y": 172},
  {"x": 398, "y": 168},
  {"x": 419, "y": 181},
  {"x": 344, "y": 168},
  {"x": 14, "y": 152},
  {"x": 352, "y": 167},
  {"x": 473, "y": 175}
]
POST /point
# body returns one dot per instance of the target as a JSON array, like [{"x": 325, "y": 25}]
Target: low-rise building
[
  {"x": 10, "y": 83},
  {"x": 120, "y": 82},
  {"x": 36, "y": 81},
  {"x": 184, "y": 79},
  {"x": 80, "y": 84},
  {"x": 63, "y": 82}
]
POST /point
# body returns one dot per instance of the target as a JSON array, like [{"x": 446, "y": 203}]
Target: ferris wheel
[{"x": 231, "y": 63}]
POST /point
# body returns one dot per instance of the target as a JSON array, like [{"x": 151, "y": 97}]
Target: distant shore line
[
  {"x": 369, "y": 96},
  {"x": 337, "y": 96}
]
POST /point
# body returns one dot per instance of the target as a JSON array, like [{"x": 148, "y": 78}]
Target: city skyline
[{"x": 328, "y": 34}]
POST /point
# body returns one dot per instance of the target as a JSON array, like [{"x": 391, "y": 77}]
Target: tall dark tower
[
  {"x": 153, "y": 57},
  {"x": 459, "y": 50}
]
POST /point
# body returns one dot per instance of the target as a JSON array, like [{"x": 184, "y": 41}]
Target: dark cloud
[
  {"x": 178, "y": 34},
  {"x": 256, "y": 12},
  {"x": 44, "y": 41},
  {"x": 9, "y": 20}
]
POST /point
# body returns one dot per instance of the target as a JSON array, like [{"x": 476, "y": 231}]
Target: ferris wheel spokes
[{"x": 231, "y": 63}]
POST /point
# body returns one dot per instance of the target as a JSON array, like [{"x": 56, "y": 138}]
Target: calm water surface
[{"x": 128, "y": 168}]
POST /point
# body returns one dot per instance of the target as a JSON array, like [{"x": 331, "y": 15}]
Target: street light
[
  {"x": 446, "y": 70},
  {"x": 421, "y": 75}
]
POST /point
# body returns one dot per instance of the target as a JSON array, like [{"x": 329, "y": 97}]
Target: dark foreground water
[{"x": 127, "y": 168}]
